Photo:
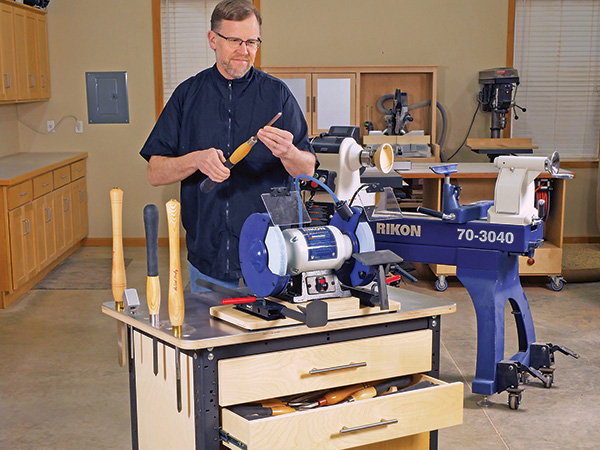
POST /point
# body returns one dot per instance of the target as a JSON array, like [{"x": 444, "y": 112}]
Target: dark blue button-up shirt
[{"x": 207, "y": 111}]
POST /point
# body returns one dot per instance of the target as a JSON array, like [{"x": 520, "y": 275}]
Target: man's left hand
[{"x": 279, "y": 141}]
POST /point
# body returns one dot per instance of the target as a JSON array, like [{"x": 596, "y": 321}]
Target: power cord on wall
[{"x": 31, "y": 127}]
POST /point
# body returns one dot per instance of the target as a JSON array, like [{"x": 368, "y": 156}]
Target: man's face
[{"x": 233, "y": 61}]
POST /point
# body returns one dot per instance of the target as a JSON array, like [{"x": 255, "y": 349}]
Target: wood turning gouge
[
  {"x": 152, "y": 281},
  {"x": 118, "y": 277},
  {"x": 176, "y": 302},
  {"x": 240, "y": 153}
]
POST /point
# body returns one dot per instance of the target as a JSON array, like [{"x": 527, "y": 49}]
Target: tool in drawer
[{"x": 380, "y": 388}]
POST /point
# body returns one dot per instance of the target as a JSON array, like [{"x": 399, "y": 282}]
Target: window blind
[
  {"x": 185, "y": 49},
  {"x": 557, "y": 54}
]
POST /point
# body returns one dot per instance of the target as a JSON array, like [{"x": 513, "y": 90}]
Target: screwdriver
[{"x": 240, "y": 153}]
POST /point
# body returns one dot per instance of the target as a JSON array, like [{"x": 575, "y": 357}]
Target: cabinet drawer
[
  {"x": 78, "y": 169},
  {"x": 61, "y": 176},
  {"x": 250, "y": 378},
  {"x": 20, "y": 194},
  {"x": 43, "y": 184},
  {"x": 353, "y": 424}
]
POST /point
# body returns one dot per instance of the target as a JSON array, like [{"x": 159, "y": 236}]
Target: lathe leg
[{"x": 490, "y": 288}]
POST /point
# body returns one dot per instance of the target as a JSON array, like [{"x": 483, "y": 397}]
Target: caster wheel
[
  {"x": 557, "y": 283},
  {"x": 514, "y": 400},
  {"x": 441, "y": 284},
  {"x": 549, "y": 378}
]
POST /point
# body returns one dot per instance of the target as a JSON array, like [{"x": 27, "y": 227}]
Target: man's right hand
[{"x": 210, "y": 162}]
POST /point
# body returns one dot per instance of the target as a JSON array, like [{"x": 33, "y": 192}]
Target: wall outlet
[
  {"x": 50, "y": 126},
  {"x": 79, "y": 126}
]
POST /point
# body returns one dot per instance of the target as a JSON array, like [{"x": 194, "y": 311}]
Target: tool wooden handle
[
  {"x": 118, "y": 278},
  {"x": 176, "y": 305},
  {"x": 369, "y": 392},
  {"x": 331, "y": 398},
  {"x": 152, "y": 282},
  {"x": 279, "y": 410}
]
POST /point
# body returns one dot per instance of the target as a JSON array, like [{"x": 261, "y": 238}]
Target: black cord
[
  {"x": 356, "y": 193},
  {"x": 468, "y": 132}
]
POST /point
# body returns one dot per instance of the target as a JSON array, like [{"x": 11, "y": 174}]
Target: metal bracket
[{"x": 226, "y": 437}]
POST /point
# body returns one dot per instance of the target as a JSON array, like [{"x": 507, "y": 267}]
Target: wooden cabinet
[
  {"x": 348, "y": 95},
  {"x": 23, "y": 53},
  {"x": 79, "y": 205},
  {"x": 8, "y": 90},
  {"x": 326, "y": 98},
  {"x": 45, "y": 230},
  {"x": 22, "y": 245},
  {"x": 43, "y": 202}
]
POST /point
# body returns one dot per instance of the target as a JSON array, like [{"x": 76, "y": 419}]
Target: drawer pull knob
[
  {"x": 23, "y": 194},
  {"x": 331, "y": 369},
  {"x": 64, "y": 176},
  {"x": 381, "y": 423},
  {"x": 45, "y": 184}
]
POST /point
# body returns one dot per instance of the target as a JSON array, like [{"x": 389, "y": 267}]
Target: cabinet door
[
  {"x": 8, "y": 89},
  {"x": 42, "y": 56},
  {"x": 80, "y": 218},
  {"x": 26, "y": 55},
  {"x": 334, "y": 100},
  {"x": 22, "y": 244},
  {"x": 300, "y": 85},
  {"x": 45, "y": 230},
  {"x": 64, "y": 219}
]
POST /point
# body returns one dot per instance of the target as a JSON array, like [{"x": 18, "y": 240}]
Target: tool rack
[{"x": 223, "y": 365}]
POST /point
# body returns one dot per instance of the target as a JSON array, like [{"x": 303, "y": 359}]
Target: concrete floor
[{"x": 61, "y": 386}]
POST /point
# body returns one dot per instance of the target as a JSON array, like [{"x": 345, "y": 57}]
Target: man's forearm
[{"x": 168, "y": 170}]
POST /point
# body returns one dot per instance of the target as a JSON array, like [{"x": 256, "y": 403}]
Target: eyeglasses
[{"x": 252, "y": 44}]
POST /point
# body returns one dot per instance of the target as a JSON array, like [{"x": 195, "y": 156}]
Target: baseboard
[
  {"x": 581, "y": 239},
  {"x": 127, "y": 242}
]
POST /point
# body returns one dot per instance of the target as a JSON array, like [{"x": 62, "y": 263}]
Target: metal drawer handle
[
  {"x": 45, "y": 184},
  {"x": 7, "y": 81},
  {"x": 27, "y": 227},
  {"x": 23, "y": 194},
  {"x": 381, "y": 423},
  {"x": 49, "y": 214},
  {"x": 64, "y": 176},
  {"x": 32, "y": 78},
  {"x": 331, "y": 369},
  {"x": 66, "y": 199},
  {"x": 82, "y": 192}
]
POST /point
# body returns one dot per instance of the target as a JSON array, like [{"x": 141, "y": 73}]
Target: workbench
[
  {"x": 478, "y": 181},
  {"x": 223, "y": 365}
]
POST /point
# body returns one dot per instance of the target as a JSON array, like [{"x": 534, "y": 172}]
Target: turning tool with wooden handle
[
  {"x": 176, "y": 305},
  {"x": 118, "y": 277},
  {"x": 153, "y": 281},
  {"x": 240, "y": 153}
]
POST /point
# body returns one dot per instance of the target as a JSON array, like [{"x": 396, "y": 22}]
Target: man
[{"x": 205, "y": 120}]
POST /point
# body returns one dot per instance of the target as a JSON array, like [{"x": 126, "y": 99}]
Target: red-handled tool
[{"x": 237, "y": 300}]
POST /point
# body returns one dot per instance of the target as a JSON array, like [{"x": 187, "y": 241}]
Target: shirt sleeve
[{"x": 164, "y": 137}]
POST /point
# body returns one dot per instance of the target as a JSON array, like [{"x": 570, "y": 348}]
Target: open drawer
[{"x": 348, "y": 425}]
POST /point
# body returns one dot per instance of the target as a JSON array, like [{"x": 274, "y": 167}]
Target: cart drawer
[
  {"x": 251, "y": 378},
  {"x": 20, "y": 194},
  {"x": 62, "y": 176},
  {"x": 353, "y": 424},
  {"x": 42, "y": 184}
]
